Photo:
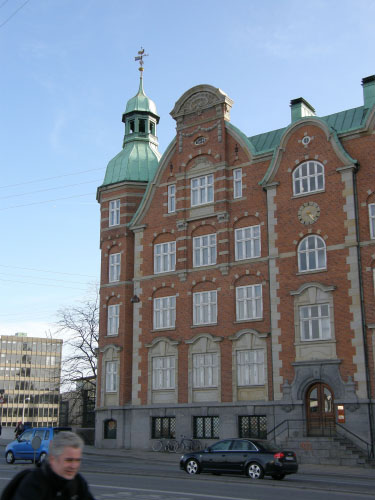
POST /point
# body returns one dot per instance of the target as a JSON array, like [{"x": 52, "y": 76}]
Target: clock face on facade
[{"x": 308, "y": 213}]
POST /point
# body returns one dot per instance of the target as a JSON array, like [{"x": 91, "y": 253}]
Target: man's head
[{"x": 65, "y": 453}]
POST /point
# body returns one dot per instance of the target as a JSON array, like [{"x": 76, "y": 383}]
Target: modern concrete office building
[{"x": 30, "y": 370}]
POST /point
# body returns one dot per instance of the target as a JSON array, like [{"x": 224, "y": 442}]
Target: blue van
[{"x": 21, "y": 448}]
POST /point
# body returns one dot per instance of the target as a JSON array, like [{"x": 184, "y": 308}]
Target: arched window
[
  {"x": 312, "y": 254},
  {"x": 308, "y": 178}
]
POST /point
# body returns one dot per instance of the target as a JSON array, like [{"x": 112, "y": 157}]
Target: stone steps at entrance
[{"x": 325, "y": 451}]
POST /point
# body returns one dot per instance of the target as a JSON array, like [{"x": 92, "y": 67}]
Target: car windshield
[{"x": 264, "y": 446}]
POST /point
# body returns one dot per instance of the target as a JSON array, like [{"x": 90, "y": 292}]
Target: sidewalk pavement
[{"x": 173, "y": 458}]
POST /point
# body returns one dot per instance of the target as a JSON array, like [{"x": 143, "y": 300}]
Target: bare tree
[{"x": 79, "y": 326}]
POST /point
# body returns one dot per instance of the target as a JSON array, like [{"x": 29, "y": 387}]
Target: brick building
[{"x": 237, "y": 279}]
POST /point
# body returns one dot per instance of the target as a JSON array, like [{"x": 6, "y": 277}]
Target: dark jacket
[{"x": 43, "y": 484}]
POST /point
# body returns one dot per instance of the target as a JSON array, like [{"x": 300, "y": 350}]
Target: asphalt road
[{"x": 156, "y": 479}]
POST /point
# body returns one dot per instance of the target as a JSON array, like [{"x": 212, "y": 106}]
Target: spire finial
[{"x": 139, "y": 57}]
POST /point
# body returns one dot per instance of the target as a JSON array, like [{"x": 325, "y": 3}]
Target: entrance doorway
[{"x": 320, "y": 411}]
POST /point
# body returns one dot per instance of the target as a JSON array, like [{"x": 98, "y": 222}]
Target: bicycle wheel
[
  {"x": 179, "y": 447},
  {"x": 171, "y": 444},
  {"x": 188, "y": 444},
  {"x": 157, "y": 445},
  {"x": 197, "y": 445}
]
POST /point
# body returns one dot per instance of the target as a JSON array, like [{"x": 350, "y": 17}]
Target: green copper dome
[
  {"x": 138, "y": 161},
  {"x": 139, "y": 158},
  {"x": 140, "y": 102}
]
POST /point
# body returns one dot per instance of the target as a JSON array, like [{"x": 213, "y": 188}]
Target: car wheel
[
  {"x": 192, "y": 466},
  {"x": 255, "y": 471},
  {"x": 279, "y": 476},
  {"x": 9, "y": 457},
  {"x": 42, "y": 457}
]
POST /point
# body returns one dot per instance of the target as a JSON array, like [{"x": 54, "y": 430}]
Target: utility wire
[
  {"x": 43, "y": 284},
  {"x": 47, "y": 201},
  {"x": 48, "y": 189},
  {"x": 41, "y": 278},
  {"x": 51, "y": 178},
  {"x": 48, "y": 271},
  {"x": 14, "y": 13}
]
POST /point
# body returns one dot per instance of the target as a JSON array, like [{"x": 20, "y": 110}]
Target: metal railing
[{"x": 288, "y": 429}]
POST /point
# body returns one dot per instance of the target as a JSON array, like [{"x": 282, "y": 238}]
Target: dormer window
[
  {"x": 152, "y": 128},
  {"x": 131, "y": 127},
  {"x": 200, "y": 140}
]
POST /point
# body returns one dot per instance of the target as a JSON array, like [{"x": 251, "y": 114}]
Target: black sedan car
[{"x": 241, "y": 456}]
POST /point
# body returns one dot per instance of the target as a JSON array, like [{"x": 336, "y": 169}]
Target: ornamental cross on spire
[{"x": 139, "y": 57}]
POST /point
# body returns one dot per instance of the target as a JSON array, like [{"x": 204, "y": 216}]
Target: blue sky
[{"x": 67, "y": 70}]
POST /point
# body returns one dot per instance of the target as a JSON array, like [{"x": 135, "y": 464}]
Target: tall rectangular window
[
  {"x": 171, "y": 198},
  {"x": 164, "y": 312},
  {"x": 163, "y": 372},
  {"x": 249, "y": 304},
  {"x": 114, "y": 212},
  {"x": 315, "y": 322},
  {"x": 250, "y": 367},
  {"x": 202, "y": 190},
  {"x": 111, "y": 376},
  {"x": 205, "y": 308},
  {"x": 114, "y": 267},
  {"x": 205, "y": 370},
  {"x": 165, "y": 257},
  {"x": 237, "y": 183},
  {"x": 113, "y": 319},
  {"x": 371, "y": 213},
  {"x": 204, "y": 250},
  {"x": 247, "y": 242}
]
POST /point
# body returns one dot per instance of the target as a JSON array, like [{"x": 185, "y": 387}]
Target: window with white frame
[
  {"x": 202, "y": 190},
  {"x": 114, "y": 212},
  {"x": 247, "y": 242},
  {"x": 308, "y": 178},
  {"x": 205, "y": 370},
  {"x": 111, "y": 376},
  {"x": 250, "y": 367},
  {"x": 371, "y": 213},
  {"x": 114, "y": 267},
  {"x": 164, "y": 312},
  {"x": 165, "y": 257},
  {"x": 315, "y": 322},
  {"x": 249, "y": 303},
  {"x": 113, "y": 319},
  {"x": 204, "y": 250},
  {"x": 163, "y": 372},
  {"x": 171, "y": 198},
  {"x": 205, "y": 307},
  {"x": 237, "y": 183},
  {"x": 312, "y": 254}
]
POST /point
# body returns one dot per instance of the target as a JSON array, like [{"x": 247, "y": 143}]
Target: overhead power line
[
  {"x": 48, "y": 189},
  {"x": 41, "y": 278},
  {"x": 47, "y": 201},
  {"x": 51, "y": 178},
  {"x": 14, "y": 13},
  {"x": 48, "y": 271},
  {"x": 43, "y": 284}
]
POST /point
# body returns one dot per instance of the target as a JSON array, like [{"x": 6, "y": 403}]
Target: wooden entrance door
[{"x": 320, "y": 411}]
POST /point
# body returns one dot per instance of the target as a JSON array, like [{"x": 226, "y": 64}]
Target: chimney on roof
[
  {"x": 300, "y": 108},
  {"x": 368, "y": 84}
]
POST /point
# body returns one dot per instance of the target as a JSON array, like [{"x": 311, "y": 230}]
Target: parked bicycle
[
  {"x": 164, "y": 444},
  {"x": 187, "y": 444}
]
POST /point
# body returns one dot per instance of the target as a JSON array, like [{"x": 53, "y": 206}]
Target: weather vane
[{"x": 139, "y": 57}]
